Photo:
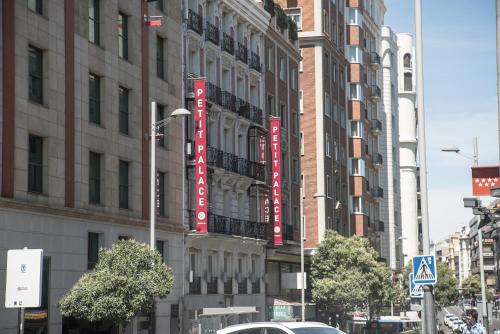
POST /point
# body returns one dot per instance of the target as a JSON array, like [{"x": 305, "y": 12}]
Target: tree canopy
[
  {"x": 446, "y": 288},
  {"x": 123, "y": 284},
  {"x": 471, "y": 286},
  {"x": 346, "y": 275}
]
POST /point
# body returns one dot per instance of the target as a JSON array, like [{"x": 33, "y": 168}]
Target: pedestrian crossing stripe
[{"x": 424, "y": 273}]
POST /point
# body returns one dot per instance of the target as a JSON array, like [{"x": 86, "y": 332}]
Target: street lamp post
[
  {"x": 455, "y": 149},
  {"x": 155, "y": 126}
]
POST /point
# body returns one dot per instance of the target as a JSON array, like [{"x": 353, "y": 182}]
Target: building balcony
[
  {"x": 214, "y": 93},
  {"x": 380, "y": 225},
  {"x": 375, "y": 93},
  {"x": 377, "y": 159},
  {"x": 229, "y": 101},
  {"x": 376, "y": 126},
  {"x": 374, "y": 60},
  {"x": 256, "y": 115},
  {"x": 269, "y": 6},
  {"x": 255, "y": 62},
  {"x": 231, "y": 226},
  {"x": 228, "y": 286},
  {"x": 243, "y": 108},
  {"x": 195, "y": 286},
  {"x": 242, "y": 53},
  {"x": 377, "y": 192},
  {"x": 235, "y": 164},
  {"x": 212, "y": 33},
  {"x": 195, "y": 22},
  {"x": 227, "y": 43},
  {"x": 242, "y": 287},
  {"x": 212, "y": 285}
]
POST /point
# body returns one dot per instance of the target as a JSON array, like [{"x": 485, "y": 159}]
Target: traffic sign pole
[{"x": 21, "y": 320}]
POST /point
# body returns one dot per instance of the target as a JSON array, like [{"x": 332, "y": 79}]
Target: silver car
[{"x": 307, "y": 327}]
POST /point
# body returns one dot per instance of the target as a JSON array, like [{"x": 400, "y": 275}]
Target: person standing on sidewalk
[{"x": 473, "y": 327}]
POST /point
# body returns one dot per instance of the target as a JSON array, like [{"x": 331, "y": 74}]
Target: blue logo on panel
[
  {"x": 424, "y": 269},
  {"x": 416, "y": 290}
]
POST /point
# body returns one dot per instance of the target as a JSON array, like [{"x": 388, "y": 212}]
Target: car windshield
[{"x": 316, "y": 330}]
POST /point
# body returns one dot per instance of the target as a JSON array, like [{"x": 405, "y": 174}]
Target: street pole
[
  {"x": 475, "y": 156},
  {"x": 302, "y": 289},
  {"x": 498, "y": 71},
  {"x": 429, "y": 320},
  {"x": 152, "y": 177},
  {"x": 483, "y": 288}
]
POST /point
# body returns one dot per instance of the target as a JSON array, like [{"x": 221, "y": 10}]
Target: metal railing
[
  {"x": 195, "y": 21},
  {"x": 195, "y": 286},
  {"x": 212, "y": 33},
  {"x": 256, "y": 115},
  {"x": 375, "y": 92},
  {"x": 255, "y": 61},
  {"x": 214, "y": 93},
  {"x": 377, "y": 159},
  {"x": 242, "y": 287},
  {"x": 243, "y": 108},
  {"x": 212, "y": 286},
  {"x": 242, "y": 53},
  {"x": 374, "y": 58},
  {"x": 227, "y": 43},
  {"x": 256, "y": 286},
  {"x": 377, "y": 192},
  {"x": 231, "y": 226},
  {"x": 235, "y": 164},
  {"x": 228, "y": 286},
  {"x": 376, "y": 125},
  {"x": 229, "y": 101}
]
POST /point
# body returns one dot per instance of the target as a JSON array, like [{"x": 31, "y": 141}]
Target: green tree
[
  {"x": 346, "y": 276},
  {"x": 124, "y": 283},
  {"x": 446, "y": 288},
  {"x": 471, "y": 286}
]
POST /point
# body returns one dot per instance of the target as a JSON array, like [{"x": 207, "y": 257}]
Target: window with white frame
[
  {"x": 270, "y": 59},
  {"x": 354, "y": 17},
  {"x": 294, "y": 78},
  {"x": 329, "y": 223},
  {"x": 325, "y": 22},
  {"x": 342, "y": 79},
  {"x": 358, "y": 204},
  {"x": 296, "y": 15},
  {"x": 295, "y": 171},
  {"x": 329, "y": 186},
  {"x": 355, "y": 91},
  {"x": 335, "y": 150},
  {"x": 327, "y": 104},
  {"x": 301, "y": 63},
  {"x": 302, "y": 143},
  {"x": 302, "y": 185},
  {"x": 301, "y": 101},
  {"x": 357, "y": 129},
  {"x": 335, "y": 111},
  {"x": 282, "y": 69},
  {"x": 354, "y": 54},
  {"x": 327, "y": 144},
  {"x": 358, "y": 167},
  {"x": 334, "y": 71}
]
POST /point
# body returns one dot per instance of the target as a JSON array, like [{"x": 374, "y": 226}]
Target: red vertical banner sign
[
  {"x": 200, "y": 155},
  {"x": 275, "y": 132}
]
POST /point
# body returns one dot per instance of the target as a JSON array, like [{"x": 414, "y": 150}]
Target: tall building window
[
  {"x": 301, "y": 62},
  {"x": 94, "y": 177},
  {"x": 123, "y": 110},
  {"x": 122, "y": 35},
  {"x": 294, "y": 78},
  {"x": 407, "y": 60},
  {"x": 327, "y": 145},
  {"x": 160, "y": 5},
  {"x": 301, "y": 101},
  {"x": 94, "y": 15},
  {"x": 342, "y": 79},
  {"x": 160, "y": 114},
  {"x": 161, "y": 247},
  {"x": 270, "y": 105},
  {"x": 329, "y": 186},
  {"x": 93, "y": 245},
  {"x": 295, "y": 171},
  {"x": 301, "y": 143},
  {"x": 354, "y": 17},
  {"x": 408, "y": 82},
  {"x": 94, "y": 99},
  {"x": 123, "y": 184},
  {"x": 35, "y": 68},
  {"x": 327, "y": 104},
  {"x": 295, "y": 123},
  {"x": 35, "y": 164},
  {"x": 161, "y": 184},
  {"x": 270, "y": 59},
  {"x": 283, "y": 115},
  {"x": 296, "y": 217},
  {"x": 356, "y": 129},
  {"x": 35, "y": 5},
  {"x": 325, "y": 22},
  {"x": 282, "y": 68},
  {"x": 160, "y": 57},
  {"x": 358, "y": 205},
  {"x": 358, "y": 167},
  {"x": 334, "y": 71},
  {"x": 296, "y": 17}
]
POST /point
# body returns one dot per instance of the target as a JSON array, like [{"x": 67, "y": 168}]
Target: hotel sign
[
  {"x": 274, "y": 125},
  {"x": 200, "y": 155}
]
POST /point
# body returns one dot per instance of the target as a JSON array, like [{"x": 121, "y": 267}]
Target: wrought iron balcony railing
[
  {"x": 227, "y": 43},
  {"x": 235, "y": 164},
  {"x": 376, "y": 125},
  {"x": 242, "y": 287},
  {"x": 228, "y": 286},
  {"x": 255, "y": 61},
  {"x": 195, "y": 22},
  {"x": 242, "y": 53},
  {"x": 269, "y": 6},
  {"x": 256, "y": 115},
  {"x": 377, "y": 159},
  {"x": 374, "y": 59},
  {"x": 212, "y": 33},
  {"x": 231, "y": 226},
  {"x": 377, "y": 192},
  {"x": 214, "y": 93},
  {"x": 243, "y": 108},
  {"x": 256, "y": 286},
  {"x": 212, "y": 286},
  {"x": 375, "y": 92},
  {"x": 229, "y": 101},
  {"x": 195, "y": 286}
]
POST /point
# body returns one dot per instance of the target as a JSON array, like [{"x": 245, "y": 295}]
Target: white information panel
[{"x": 24, "y": 278}]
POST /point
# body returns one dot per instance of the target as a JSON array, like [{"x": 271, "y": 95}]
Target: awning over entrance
[{"x": 233, "y": 310}]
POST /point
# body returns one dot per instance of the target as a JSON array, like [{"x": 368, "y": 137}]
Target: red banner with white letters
[
  {"x": 200, "y": 155},
  {"x": 275, "y": 132},
  {"x": 483, "y": 178}
]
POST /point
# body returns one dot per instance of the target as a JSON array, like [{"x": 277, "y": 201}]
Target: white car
[
  {"x": 448, "y": 318},
  {"x": 456, "y": 325},
  {"x": 307, "y": 327}
]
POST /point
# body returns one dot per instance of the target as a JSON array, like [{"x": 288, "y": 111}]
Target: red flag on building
[{"x": 483, "y": 178}]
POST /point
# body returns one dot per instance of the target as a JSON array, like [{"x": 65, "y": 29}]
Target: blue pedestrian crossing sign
[
  {"x": 424, "y": 269},
  {"x": 416, "y": 290}
]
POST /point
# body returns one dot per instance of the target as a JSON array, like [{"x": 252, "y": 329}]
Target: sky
[{"x": 459, "y": 98}]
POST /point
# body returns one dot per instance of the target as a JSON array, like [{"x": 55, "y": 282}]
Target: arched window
[
  {"x": 407, "y": 60},
  {"x": 408, "y": 84}
]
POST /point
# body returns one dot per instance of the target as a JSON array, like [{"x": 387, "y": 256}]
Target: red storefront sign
[
  {"x": 200, "y": 155},
  {"x": 483, "y": 178},
  {"x": 262, "y": 149},
  {"x": 274, "y": 125}
]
